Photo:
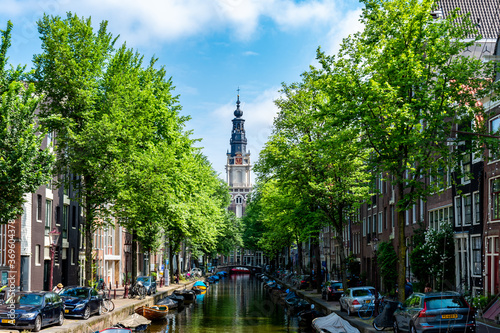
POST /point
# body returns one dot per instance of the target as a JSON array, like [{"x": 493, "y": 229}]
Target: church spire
[{"x": 238, "y": 139}]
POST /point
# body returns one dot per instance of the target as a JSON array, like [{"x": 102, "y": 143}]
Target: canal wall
[{"x": 122, "y": 310}]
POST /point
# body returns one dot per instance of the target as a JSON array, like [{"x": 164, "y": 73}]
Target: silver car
[
  {"x": 435, "y": 312},
  {"x": 354, "y": 298}
]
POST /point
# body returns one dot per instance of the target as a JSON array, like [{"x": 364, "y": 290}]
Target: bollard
[
  {"x": 125, "y": 294},
  {"x": 114, "y": 296}
]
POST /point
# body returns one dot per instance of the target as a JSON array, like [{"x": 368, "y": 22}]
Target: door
[
  {"x": 25, "y": 273},
  {"x": 46, "y": 274}
]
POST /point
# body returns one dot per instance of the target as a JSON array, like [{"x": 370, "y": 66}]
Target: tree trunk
[
  {"x": 171, "y": 261},
  {"x": 319, "y": 279},
  {"x": 134, "y": 257},
  {"x": 300, "y": 257},
  {"x": 402, "y": 248},
  {"x": 89, "y": 262}
]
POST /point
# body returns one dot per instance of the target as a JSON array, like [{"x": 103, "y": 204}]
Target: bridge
[{"x": 227, "y": 268}]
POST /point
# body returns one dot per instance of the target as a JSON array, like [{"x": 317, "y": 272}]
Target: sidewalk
[
  {"x": 364, "y": 326},
  {"x": 123, "y": 308}
]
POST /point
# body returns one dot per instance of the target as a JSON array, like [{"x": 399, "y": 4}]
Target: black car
[
  {"x": 435, "y": 312},
  {"x": 332, "y": 290},
  {"x": 32, "y": 311},
  {"x": 81, "y": 302},
  {"x": 149, "y": 282}
]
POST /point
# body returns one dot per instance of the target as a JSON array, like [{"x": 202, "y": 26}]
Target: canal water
[{"x": 237, "y": 303}]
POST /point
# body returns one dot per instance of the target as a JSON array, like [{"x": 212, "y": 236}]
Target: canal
[{"x": 236, "y": 304}]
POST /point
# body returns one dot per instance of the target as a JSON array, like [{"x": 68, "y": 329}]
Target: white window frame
[
  {"x": 458, "y": 211},
  {"x": 476, "y": 210},
  {"x": 492, "y": 129},
  {"x": 364, "y": 226},
  {"x": 465, "y": 223},
  {"x": 472, "y": 238}
]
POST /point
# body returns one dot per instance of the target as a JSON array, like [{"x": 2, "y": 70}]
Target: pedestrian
[
  {"x": 427, "y": 288},
  {"x": 408, "y": 288},
  {"x": 57, "y": 289},
  {"x": 177, "y": 277}
]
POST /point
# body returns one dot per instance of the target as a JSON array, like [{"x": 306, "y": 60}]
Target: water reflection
[{"x": 236, "y": 304}]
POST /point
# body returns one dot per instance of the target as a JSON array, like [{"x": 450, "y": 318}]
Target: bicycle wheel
[
  {"x": 378, "y": 328},
  {"x": 142, "y": 292},
  {"x": 108, "y": 305},
  {"x": 365, "y": 312}
]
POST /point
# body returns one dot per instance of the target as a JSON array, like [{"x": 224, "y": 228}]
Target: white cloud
[
  {"x": 250, "y": 53},
  {"x": 348, "y": 25},
  {"x": 143, "y": 22}
]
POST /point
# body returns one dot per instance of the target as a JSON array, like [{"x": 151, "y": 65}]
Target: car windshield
[
  {"x": 363, "y": 292},
  {"x": 144, "y": 280},
  {"x": 25, "y": 299},
  {"x": 336, "y": 285},
  {"x": 75, "y": 292},
  {"x": 448, "y": 302}
]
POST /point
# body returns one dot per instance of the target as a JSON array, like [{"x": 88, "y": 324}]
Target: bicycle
[
  {"x": 386, "y": 317},
  {"x": 365, "y": 312},
  {"x": 107, "y": 304},
  {"x": 138, "y": 290}
]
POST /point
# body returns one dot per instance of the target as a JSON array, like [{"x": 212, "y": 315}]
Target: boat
[
  {"x": 172, "y": 304},
  {"x": 135, "y": 322},
  {"x": 153, "y": 312},
  {"x": 333, "y": 323},
  {"x": 222, "y": 273},
  {"x": 240, "y": 270},
  {"x": 199, "y": 286},
  {"x": 115, "y": 330},
  {"x": 189, "y": 295},
  {"x": 177, "y": 298}
]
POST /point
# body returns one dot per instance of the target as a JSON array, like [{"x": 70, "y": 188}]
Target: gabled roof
[{"x": 484, "y": 12}]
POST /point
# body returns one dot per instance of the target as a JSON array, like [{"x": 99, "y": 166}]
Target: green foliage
[
  {"x": 435, "y": 257},
  {"x": 387, "y": 264},
  {"x": 23, "y": 165}
]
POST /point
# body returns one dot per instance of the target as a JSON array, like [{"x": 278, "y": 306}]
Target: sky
[{"x": 210, "y": 48}]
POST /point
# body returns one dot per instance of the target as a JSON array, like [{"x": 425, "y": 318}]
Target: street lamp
[{"x": 53, "y": 239}]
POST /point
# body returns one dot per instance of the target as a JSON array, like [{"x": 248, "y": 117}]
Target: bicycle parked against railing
[{"x": 138, "y": 289}]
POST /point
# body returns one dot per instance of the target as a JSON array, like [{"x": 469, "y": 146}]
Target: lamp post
[
  {"x": 53, "y": 239},
  {"x": 374, "y": 244}
]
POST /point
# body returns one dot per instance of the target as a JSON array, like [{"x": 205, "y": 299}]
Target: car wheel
[
  {"x": 38, "y": 324},
  {"x": 60, "y": 322},
  {"x": 396, "y": 328},
  {"x": 86, "y": 313},
  {"x": 348, "y": 309}
]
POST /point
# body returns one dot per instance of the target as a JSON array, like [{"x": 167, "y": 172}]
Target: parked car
[
  {"x": 32, "y": 311},
  {"x": 433, "y": 312},
  {"x": 81, "y": 302},
  {"x": 353, "y": 298},
  {"x": 307, "y": 281},
  {"x": 332, "y": 290},
  {"x": 196, "y": 272},
  {"x": 149, "y": 282}
]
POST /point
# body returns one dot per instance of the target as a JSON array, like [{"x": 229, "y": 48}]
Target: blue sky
[{"x": 210, "y": 48}]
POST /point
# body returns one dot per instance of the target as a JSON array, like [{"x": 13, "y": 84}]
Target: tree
[
  {"x": 24, "y": 166},
  {"x": 387, "y": 262},
  {"x": 321, "y": 164},
  {"x": 404, "y": 83}
]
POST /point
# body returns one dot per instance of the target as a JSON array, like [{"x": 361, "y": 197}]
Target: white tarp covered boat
[{"x": 333, "y": 323}]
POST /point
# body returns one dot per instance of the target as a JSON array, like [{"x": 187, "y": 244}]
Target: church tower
[{"x": 238, "y": 165}]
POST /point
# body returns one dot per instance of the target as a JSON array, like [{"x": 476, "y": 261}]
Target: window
[
  {"x": 440, "y": 215},
  {"x": 380, "y": 222},
  {"x": 414, "y": 214},
  {"x": 374, "y": 226},
  {"x": 37, "y": 255},
  {"x": 466, "y": 162},
  {"x": 477, "y": 207},
  {"x": 468, "y": 210},
  {"x": 494, "y": 127},
  {"x": 458, "y": 211},
  {"x": 39, "y": 208},
  {"x": 48, "y": 216},
  {"x": 476, "y": 255},
  {"x": 364, "y": 226},
  {"x": 65, "y": 221},
  {"x": 368, "y": 224},
  {"x": 73, "y": 217},
  {"x": 495, "y": 199}
]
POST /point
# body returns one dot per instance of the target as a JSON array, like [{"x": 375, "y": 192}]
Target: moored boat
[
  {"x": 153, "y": 312},
  {"x": 240, "y": 270},
  {"x": 199, "y": 286},
  {"x": 189, "y": 295},
  {"x": 135, "y": 322}
]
